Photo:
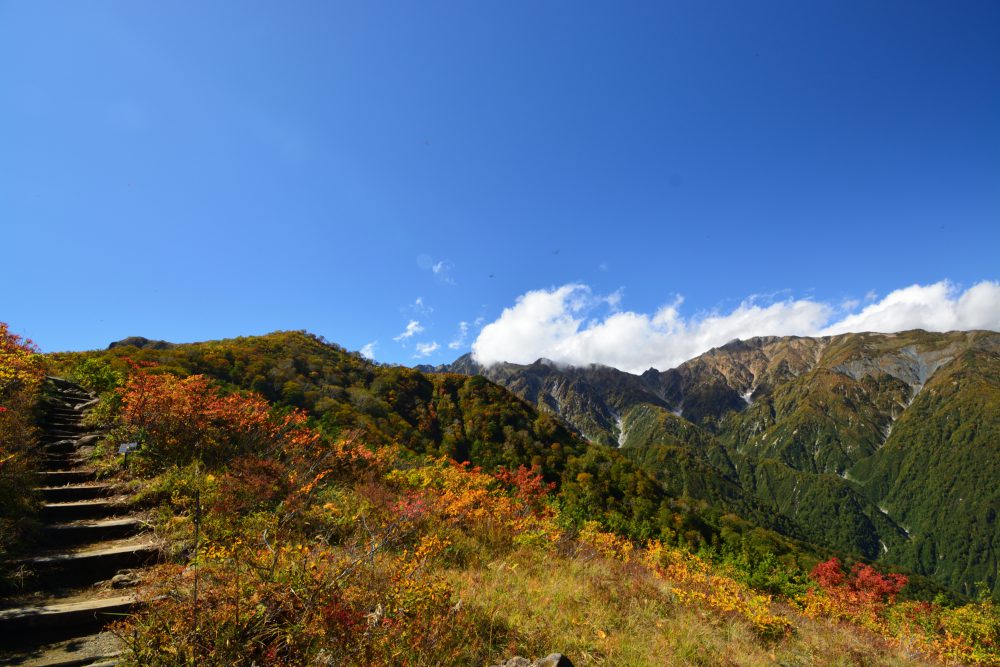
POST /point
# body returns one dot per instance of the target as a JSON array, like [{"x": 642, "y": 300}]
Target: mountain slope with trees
[
  {"x": 861, "y": 442},
  {"x": 363, "y": 514}
]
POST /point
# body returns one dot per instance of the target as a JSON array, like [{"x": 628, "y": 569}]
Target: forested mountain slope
[
  {"x": 885, "y": 445},
  {"x": 358, "y": 533},
  {"x": 463, "y": 417}
]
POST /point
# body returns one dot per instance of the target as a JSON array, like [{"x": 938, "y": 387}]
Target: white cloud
[
  {"x": 938, "y": 307},
  {"x": 426, "y": 349},
  {"x": 463, "y": 331},
  {"x": 558, "y": 324},
  {"x": 368, "y": 350},
  {"x": 412, "y": 329},
  {"x": 442, "y": 271},
  {"x": 441, "y": 268},
  {"x": 420, "y": 307}
]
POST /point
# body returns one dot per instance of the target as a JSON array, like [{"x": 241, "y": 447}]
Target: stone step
[
  {"x": 70, "y": 492},
  {"x": 64, "y": 619},
  {"x": 92, "y": 650},
  {"x": 63, "y": 414},
  {"x": 86, "y": 439},
  {"x": 62, "y": 383},
  {"x": 87, "y": 532},
  {"x": 59, "y": 447},
  {"x": 72, "y": 400},
  {"x": 88, "y": 566},
  {"x": 62, "y": 460},
  {"x": 67, "y": 464},
  {"x": 62, "y": 433},
  {"x": 61, "y": 390},
  {"x": 64, "y": 477},
  {"x": 64, "y": 424},
  {"x": 82, "y": 509}
]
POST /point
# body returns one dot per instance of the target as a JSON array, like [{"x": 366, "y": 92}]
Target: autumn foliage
[
  {"x": 315, "y": 549},
  {"x": 21, "y": 375},
  {"x": 182, "y": 419},
  {"x": 862, "y": 593}
]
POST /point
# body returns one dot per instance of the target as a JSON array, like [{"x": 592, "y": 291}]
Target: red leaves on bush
[
  {"x": 527, "y": 484},
  {"x": 863, "y": 585},
  {"x": 829, "y": 574},
  {"x": 251, "y": 484},
  {"x": 411, "y": 508}
]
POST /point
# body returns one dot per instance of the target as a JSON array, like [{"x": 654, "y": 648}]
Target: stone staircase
[{"x": 88, "y": 556}]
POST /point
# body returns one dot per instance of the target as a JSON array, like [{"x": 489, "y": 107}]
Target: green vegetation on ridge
[{"x": 880, "y": 445}]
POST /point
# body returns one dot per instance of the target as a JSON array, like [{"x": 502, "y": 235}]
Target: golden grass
[{"x": 602, "y": 612}]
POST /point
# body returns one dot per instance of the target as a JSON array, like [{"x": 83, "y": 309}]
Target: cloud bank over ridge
[{"x": 560, "y": 324}]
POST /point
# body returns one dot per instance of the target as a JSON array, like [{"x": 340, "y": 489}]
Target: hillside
[
  {"x": 342, "y": 512},
  {"x": 462, "y": 417},
  {"x": 881, "y": 445}
]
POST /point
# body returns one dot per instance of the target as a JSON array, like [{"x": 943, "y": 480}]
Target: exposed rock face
[{"x": 551, "y": 660}]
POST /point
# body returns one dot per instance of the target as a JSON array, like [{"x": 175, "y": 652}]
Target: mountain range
[{"x": 880, "y": 445}]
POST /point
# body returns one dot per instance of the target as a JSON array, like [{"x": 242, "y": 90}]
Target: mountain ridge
[{"x": 815, "y": 429}]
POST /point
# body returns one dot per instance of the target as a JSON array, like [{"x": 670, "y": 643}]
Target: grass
[{"x": 600, "y": 611}]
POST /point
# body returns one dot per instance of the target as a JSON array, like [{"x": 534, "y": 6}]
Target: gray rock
[
  {"x": 125, "y": 580},
  {"x": 88, "y": 440},
  {"x": 516, "y": 661},
  {"x": 554, "y": 660},
  {"x": 83, "y": 407}
]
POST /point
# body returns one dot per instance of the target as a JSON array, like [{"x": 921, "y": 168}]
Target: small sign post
[{"x": 125, "y": 448}]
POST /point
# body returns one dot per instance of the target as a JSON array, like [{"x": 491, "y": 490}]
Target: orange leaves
[
  {"x": 20, "y": 362},
  {"x": 475, "y": 501},
  {"x": 21, "y": 374},
  {"x": 527, "y": 485},
  {"x": 183, "y": 419}
]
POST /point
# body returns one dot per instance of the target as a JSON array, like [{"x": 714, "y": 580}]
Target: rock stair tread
[
  {"x": 89, "y": 650},
  {"x": 56, "y": 474},
  {"x": 80, "y": 485},
  {"x": 57, "y": 606},
  {"x": 96, "y": 523},
  {"x": 64, "y": 598},
  {"x": 110, "y": 501},
  {"x": 95, "y": 550}
]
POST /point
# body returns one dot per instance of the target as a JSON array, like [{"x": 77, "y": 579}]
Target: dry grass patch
[{"x": 600, "y": 611}]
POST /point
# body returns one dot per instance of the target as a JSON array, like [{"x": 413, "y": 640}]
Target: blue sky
[{"x": 193, "y": 170}]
